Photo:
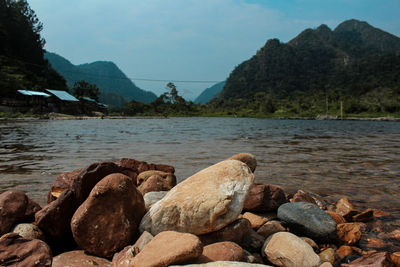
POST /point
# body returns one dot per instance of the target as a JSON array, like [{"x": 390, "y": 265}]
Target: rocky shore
[{"x": 133, "y": 213}]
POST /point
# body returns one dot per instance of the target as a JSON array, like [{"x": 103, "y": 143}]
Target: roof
[
  {"x": 88, "y": 99},
  {"x": 33, "y": 93},
  {"x": 62, "y": 95}
]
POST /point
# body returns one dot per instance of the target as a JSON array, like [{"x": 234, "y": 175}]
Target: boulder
[
  {"x": 30, "y": 211},
  {"x": 151, "y": 198},
  {"x": 350, "y": 233},
  {"x": 141, "y": 166},
  {"x": 264, "y": 197},
  {"x": 154, "y": 183},
  {"x": 18, "y": 251},
  {"x": 205, "y": 202},
  {"x": 61, "y": 183},
  {"x": 28, "y": 230},
  {"x": 78, "y": 258},
  {"x": 307, "y": 219},
  {"x": 247, "y": 158},
  {"x": 221, "y": 251},
  {"x": 286, "y": 249},
  {"x": 169, "y": 178},
  {"x": 371, "y": 260},
  {"x": 255, "y": 220},
  {"x": 108, "y": 219},
  {"x": 326, "y": 264},
  {"x": 270, "y": 228},
  {"x": 168, "y": 248}
]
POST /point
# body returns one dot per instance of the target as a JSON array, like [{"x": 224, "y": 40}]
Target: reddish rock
[
  {"x": 328, "y": 255},
  {"x": 255, "y": 220},
  {"x": 344, "y": 251},
  {"x": 395, "y": 257},
  {"x": 345, "y": 208},
  {"x": 221, "y": 251},
  {"x": 90, "y": 176},
  {"x": 264, "y": 197},
  {"x": 165, "y": 168},
  {"x": 18, "y": 251},
  {"x": 233, "y": 232},
  {"x": 379, "y": 213},
  {"x": 30, "y": 211},
  {"x": 270, "y": 228},
  {"x": 365, "y": 216},
  {"x": 350, "y": 233},
  {"x": 168, "y": 248},
  {"x": 380, "y": 259},
  {"x": 141, "y": 166},
  {"x": 154, "y": 183},
  {"x": 246, "y": 158},
  {"x": 61, "y": 183},
  {"x": 13, "y": 205},
  {"x": 108, "y": 219},
  {"x": 78, "y": 258},
  {"x": 170, "y": 179},
  {"x": 302, "y": 196},
  {"x": 125, "y": 256},
  {"x": 337, "y": 217},
  {"x": 376, "y": 243}
]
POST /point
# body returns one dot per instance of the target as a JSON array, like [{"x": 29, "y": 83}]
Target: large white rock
[{"x": 205, "y": 202}]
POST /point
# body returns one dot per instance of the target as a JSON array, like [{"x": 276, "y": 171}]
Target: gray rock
[
  {"x": 151, "y": 198},
  {"x": 307, "y": 219},
  {"x": 28, "y": 230}
]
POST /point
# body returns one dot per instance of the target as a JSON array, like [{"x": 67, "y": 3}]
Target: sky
[{"x": 190, "y": 40}]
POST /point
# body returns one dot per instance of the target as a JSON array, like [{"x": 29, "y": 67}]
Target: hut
[{"x": 63, "y": 102}]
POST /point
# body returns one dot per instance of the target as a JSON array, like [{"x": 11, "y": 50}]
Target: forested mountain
[
  {"x": 209, "y": 93},
  {"x": 114, "y": 86}
]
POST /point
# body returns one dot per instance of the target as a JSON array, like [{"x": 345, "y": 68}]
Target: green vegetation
[{"x": 85, "y": 89}]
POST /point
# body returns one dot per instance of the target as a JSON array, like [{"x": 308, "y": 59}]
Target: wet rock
[
  {"x": 108, "y": 219},
  {"x": 169, "y": 178},
  {"x": 90, "y": 176},
  {"x": 345, "y": 208},
  {"x": 328, "y": 255},
  {"x": 379, "y": 213},
  {"x": 12, "y": 209},
  {"x": 78, "y": 258},
  {"x": 255, "y": 220},
  {"x": 270, "y": 228},
  {"x": 264, "y": 197},
  {"x": 248, "y": 159},
  {"x": 136, "y": 166},
  {"x": 365, "y": 216},
  {"x": 125, "y": 256},
  {"x": 63, "y": 182},
  {"x": 302, "y": 196},
  {"x": 286, "y": 249},
  {"x": 19, "y": 251},
  {"x": 344, "y": 251},
  {"x": 375, "y": 243},
  {"x": 232, "y": 232},
  {"x": 350, "y": 233},
  {"x": 307, "y": 219},
  {"x": 28, "y": 230},
  {"x": 395, "y": 257},
  {"x": 205, "y": 202},
  {"x": 375, "y": 259},
  {"x": 224, "y": 264},
  {"x": 153, "y": 184},
  {"x": 252, "y": 241},
  {"x": 221, "y": 251},
  {"x": 311, "y": 243},
  {"x": 168, "y": 248},
  {"x": 337, "y": 217},
  {"x": 151, "y": 198}
]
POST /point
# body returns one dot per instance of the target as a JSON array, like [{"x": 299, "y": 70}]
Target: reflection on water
[{"x": 359, "y": 159}]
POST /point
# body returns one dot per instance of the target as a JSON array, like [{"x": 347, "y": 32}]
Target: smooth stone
[
  {"x": 153, "y": 184},
  {"x": 326, "y": 264},
  {"x": 270, "y": 228},
  {"x": 18, "y": 251},
  {"x": 224, "y": 264},
  {"x": 169, "y": 178},
  {"x": 395, "y": 257},
  {"x": 372, "y": 260},
  {"x": 63, "y": 182},
  {"x": 307, "y": 219},
  {"x": 344, "y": 251},
  {"x": 255, "y": 220},
  {"x": 78, "y": 258},
  {"x": 28, "y": 230},
  {"x": 151, "y": 198},
  {"x": 328, "y": 255},
  {"x": 247, "y": 158},
  {"x": 345, "y": 208},
  {"x": 286, "y": 249},
  {"x": 108, "y": 219},
  {"x": 350, "y": 233},
  {"x": 264, "y": 197},
  {"x": 311, "y": 243},
  {"x": 302, "y": 196},
  {"x": 221, "y": 251},
  {"x": 337, "y": 217},
  {"x": 220, "y": 191},
  {"x": 168, "y": 248}
]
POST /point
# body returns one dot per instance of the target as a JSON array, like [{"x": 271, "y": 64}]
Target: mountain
[
  {"x": 115, "y": 87},
  {"x": 209, "y": 93},
  {"x": 319, "y": 60}
]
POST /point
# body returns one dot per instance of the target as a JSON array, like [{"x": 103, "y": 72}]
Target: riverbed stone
[
  {"x": 307, "y": 219},
  {"x": 141, "y": 166},
  {"x": 108, "y": 219},
  {"x": 13, "y": 205},
  {"x": 371, "y": 260},
  {"x": 205, "y": 202},
  {"x": 264, "y": 197},
  {"x": 169, "y": 178},
  {"x": 247, "y": 158},
  {"x": 255, "y": 220},
  {"x": 350, "y": 233},
  {"x": 337, "y": 217},
  {"x": 286, "y": 249},
  {"x": 18, "y": 251},
  {"x": 270, "y": 228},
  {"x": 154, "y": 183},
  {"x": 345, "y": 208},
  {"x": 29, "y": 230},
  {"x": 78, "y": 258},
  {"x": 252, "y": 241},
  {"x": 63, "y": 182},
  {"x": 344, "y": 251},
  {"x": 224, "y": 264},
  {"x": 328, "y": 255},
  {"x": 395, "y": 257},
  {"x": 151, "y": 198},
  {"x": 364, "y": 216},
  {"x": 302, "y": 196},
  {"x": 311, "y": 243},
  {"x": 221, "y": 251},
  {"x": 168, "y": 248}
]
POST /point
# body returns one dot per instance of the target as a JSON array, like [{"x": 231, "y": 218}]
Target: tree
[{"x": 85, "y": 89}]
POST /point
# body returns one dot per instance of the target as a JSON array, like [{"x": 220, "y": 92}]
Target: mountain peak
[{"x": 353, "y": 25}]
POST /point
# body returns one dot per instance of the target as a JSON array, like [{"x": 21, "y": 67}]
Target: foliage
[{"x": 85, "y": 89}]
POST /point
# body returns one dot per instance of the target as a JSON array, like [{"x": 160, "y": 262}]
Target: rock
[
  {"x": 78, "y": 258},
  {"x": 379, "y": 213},
  {"x": 286, "y": 249},
  {"x": 12, "y": 209},
  {"x": 263, "y": 197},
  {"x": 365, "y": 216},
  {"x": 345, "y": 208},
  {"x": 63, "y": 182},
  {"x": 233, "y": 232},
  {"x": 248, "y": 159},
  {"x": 143, "y": 240},
  {"x": 349, "y": 233},
  {"x": 221, "y": 251},
  {"x": 151, "y": 198},
  {"x": 302, "y": 196},
  {"x": 217, "y": 201},
  {"x": 326, "y": 264},
  {"x": 224, "y": 264},
  {"x": 328, "y": 255},
  {"x": 30, "y": 211},
  {"x": 19, "y": 251},
  {"x": 307, "y": 219},
  {"x": 255, "y": 220},
  {"x": 252, "y": 257},
  {"x": 270, "y": 228},
  {"x": 168, "y": 248},
  {"x": 311, "y": 243},
  {"x": 169, "y": 178},
  {"x": 137, "y": 166},
  {"x": 28, "y": 230},
  {"x": 337, "y": 217},
  {"x": 395, "y": 257},
  {"x": 252, "y": 241},
  {"x": 108, "y": 219},
  {"x": 344, "y": 251},
  {"x": 375, "y": 243},
  {"x": 372, "y": 260},
  {"x": 90, "y": 176},
  {"x": 153, "y": 184}
]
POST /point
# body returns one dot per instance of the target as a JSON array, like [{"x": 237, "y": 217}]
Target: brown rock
[
  {"x": 365, "y": 216},
  {"x": 263, "y": 197},
  {"x": 270, "y": 228},
  {"x": 302, "y": 196},
  {"x": 252, "y": 241},
  {"x": 337, "y": 217},
  {"x": 18, "y": 251},
  {"x": 328, "y": 255},
  {"x": 311, "y": 243},
  {"x": 170, "y": 179},
  {"x": 154, "y": 183},
  {"x": 143, "y": 240},
  {"x": 350, "y": 233},
  {"x": 326, "y": 264},
  {"x": 61, "y": 183},
  {"x": 78, "y": 258},
  {"x": 168, "y": 248},
  {"x": 232, "y": 232},
  {"x": 246, "y": 158},
  {"x": 108, "y": 219},
  {"x": 137, "y": 166},
  {"x": 165, "y": 168},
  {"x": 125, "y": 257},
  {"x": 255, "y": 220},
  {"x": 12, "y": 209},
  {"x": 344, "y": 251},
  {"x": 151, "y": 198},
  {"x": 379, "y": 213},
  {"x": 372, "y": 260},
  {"x": 252, "y": 257},
  {"x": 345, "y": 208},
  {"x": 90, "y": 176},
  {"x": 31, "y": 209},
  {"x": 376, "y": 243},
  {"x": 221, "y": 251},
  {"x": 395, "y": 257}
]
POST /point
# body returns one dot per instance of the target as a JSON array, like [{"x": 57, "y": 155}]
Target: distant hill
[
  {"x": 115, "y": 87},
  {"x": 209, "y": 93}
]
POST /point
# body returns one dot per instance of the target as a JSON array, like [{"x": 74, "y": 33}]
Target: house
[{"x": 63, "y": 102}]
